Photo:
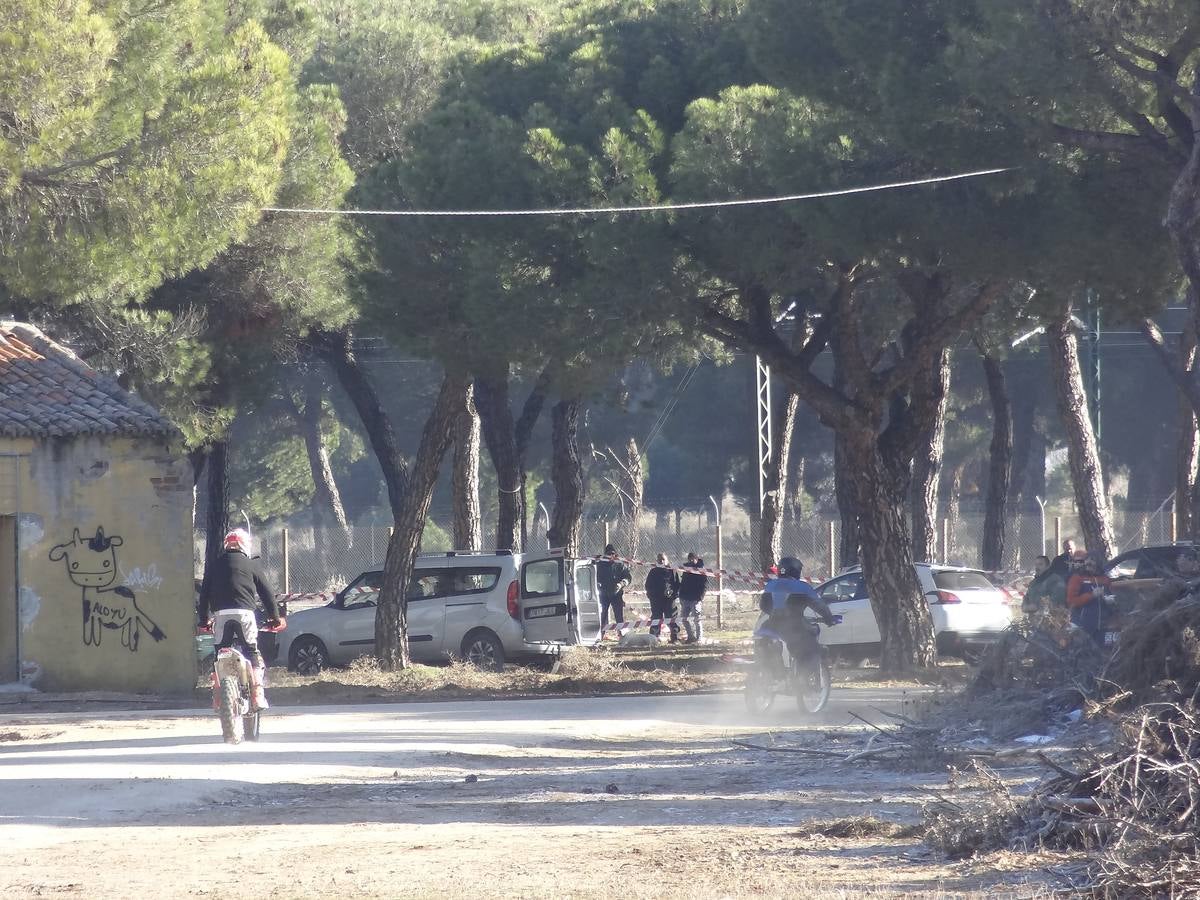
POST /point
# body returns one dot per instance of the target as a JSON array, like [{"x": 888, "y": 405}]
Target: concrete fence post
[
  {"x": 720, "y": 563},
  {"x": 832, "y": 548},
  {"x": 1057, "y": 536},
  {"x": 287, "y": 564}
]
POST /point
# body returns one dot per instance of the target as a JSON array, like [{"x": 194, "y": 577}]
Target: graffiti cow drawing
[{"x": 92, "y": 565}]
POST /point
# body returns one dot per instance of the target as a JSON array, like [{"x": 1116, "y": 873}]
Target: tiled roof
[{"x": 47, "y": 391}]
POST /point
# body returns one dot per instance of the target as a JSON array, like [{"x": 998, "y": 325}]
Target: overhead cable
[{"x": 651, "y": 208}]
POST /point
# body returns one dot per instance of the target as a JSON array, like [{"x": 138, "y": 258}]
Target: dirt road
[{"x": 625, "y": 796}]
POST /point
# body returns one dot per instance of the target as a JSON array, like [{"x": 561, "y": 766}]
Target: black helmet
[{"x": 790, "y": 567}]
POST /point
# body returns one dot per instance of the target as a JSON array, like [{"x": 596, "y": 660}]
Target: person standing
[
  {"x": 692, "y": 587},
  {"x": 662, "y": 588},
  {"x": 1048, "y": 589},
  {"x": 1061, "y": 566},
  {"x": 1085, "y": 595},
  {"x": 612, "y": 577}
]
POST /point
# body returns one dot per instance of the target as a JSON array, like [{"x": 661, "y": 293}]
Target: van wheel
[
  {"x": 483, "y": 650},
  {"x": 308, "y": 656},
  {"x": 548, "y": 664}
]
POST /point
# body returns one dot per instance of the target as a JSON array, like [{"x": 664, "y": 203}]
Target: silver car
[{"x": 487, "y": 608}]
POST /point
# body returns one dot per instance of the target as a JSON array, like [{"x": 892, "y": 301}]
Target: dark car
[{"x": 1159, "y": 561}]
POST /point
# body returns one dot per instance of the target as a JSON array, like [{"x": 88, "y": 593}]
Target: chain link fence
[{"x": 307, "y": 560}]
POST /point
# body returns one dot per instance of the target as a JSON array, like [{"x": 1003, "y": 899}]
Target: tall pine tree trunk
[
  {"x": 465, "y": 482},
  {"x": 1024, "y": 408},
  {"x": 337, "y": 349},
  {"x": 843, "y": 490},
  {"x": 1082, "y": 453},
  {"x": 566, "y": 473},
  {"x": 897, "y": 598},
  {"x": 500, "y": 435},
  {"x": 1188, "y": 445},
  {"x": 632, "y": 484},
  {"x": 391, "y": 615},
  {"x": 953, "y": 512},
  {"x": 216, "y": 524},
  {"x": 999, "y": 466},
  {"x": 770, "y": 533},
  {"x": 507, "y": 441},
  {"x": 328, "y": 512},
  {"x": 927, "y": 469}
]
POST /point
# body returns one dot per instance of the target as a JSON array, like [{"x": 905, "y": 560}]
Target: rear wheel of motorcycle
[
  {"x": 230, "y": 712},
  {"x": 759, "y": 695},
  {"x": 250, "y": 724},
  {"x": 815, "y": 682}
]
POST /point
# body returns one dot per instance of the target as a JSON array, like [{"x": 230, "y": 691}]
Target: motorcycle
[
  {"x": 775, "y": 671},
  {"x": 233, "y": 684}
]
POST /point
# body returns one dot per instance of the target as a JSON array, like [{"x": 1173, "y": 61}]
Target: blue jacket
[{"x": 780, "y": 588}]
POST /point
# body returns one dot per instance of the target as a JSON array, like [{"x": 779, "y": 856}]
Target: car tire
[
  {"x": 308, "y": 656},
  {"x": 483, "y": 650}
]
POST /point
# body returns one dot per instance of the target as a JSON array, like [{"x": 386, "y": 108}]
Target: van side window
[
  {"x": 542, "y": 578},
  {"x": 474, "y": 581}
]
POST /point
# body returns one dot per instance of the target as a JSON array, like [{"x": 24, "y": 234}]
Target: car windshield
[{"x": 962, "y": 581}]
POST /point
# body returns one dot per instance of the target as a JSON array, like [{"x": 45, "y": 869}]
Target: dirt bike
[
  {"x": 775, "y": 671},
  {"x": 233, "y": 684}
]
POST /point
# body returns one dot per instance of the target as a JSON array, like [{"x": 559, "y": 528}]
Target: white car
[
  {"x": 487, "y": 608},
  {"x": 968, "y": 610}
]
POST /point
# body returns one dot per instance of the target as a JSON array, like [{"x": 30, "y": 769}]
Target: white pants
[{"x": 243, "y": 617}]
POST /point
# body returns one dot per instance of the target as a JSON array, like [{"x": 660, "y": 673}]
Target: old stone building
[{"x": 95, "y": 529}]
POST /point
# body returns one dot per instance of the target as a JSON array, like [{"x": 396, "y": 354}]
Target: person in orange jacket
[{"x": 1085, "y": 595}]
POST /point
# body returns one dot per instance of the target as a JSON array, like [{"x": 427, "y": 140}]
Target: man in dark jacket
[
  {"x": 232, "y": 587},
  {"x": 612, "y": 577},
  {"x": 662, "y": 587},
  {"x": 692, "y": 587}
]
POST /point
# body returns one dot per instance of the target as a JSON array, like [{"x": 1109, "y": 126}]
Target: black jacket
[
  {"x": 612, "y": 576},
  {"x": 234, "y": 581},
  {"x": 693, "y": 585},
  {"x": 1060, "y": 566},
  {"x": 662, "y": 584}
]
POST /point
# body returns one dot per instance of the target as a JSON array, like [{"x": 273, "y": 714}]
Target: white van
[{"x": 488, "y": 608}]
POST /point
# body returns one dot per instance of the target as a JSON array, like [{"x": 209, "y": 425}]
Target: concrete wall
[{"x": 105, "y": 564}]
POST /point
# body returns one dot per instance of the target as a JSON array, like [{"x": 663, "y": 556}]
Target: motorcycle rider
[
  {"x": 783, "y": 602},
  {"x": 233, "y": 584}
]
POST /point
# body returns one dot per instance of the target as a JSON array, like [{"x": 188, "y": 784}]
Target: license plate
[
  {"x": 1110, "y": 637},
  {"x": 545, "y": 612}
]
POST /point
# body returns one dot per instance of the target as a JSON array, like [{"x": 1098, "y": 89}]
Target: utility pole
[{"x": 762, "y": 387}]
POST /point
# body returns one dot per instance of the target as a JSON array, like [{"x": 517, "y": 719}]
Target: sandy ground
[{"x": 618, "y": 796}]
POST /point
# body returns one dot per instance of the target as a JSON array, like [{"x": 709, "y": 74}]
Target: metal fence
[{"x": 307, "y": 560}]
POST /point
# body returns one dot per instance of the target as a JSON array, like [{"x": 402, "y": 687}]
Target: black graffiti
[{"x": 92, "y": 565}]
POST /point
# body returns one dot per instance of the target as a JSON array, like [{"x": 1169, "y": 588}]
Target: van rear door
[
  {"x": 545, "y": 609},
  {"x": 585, "y": 599}
]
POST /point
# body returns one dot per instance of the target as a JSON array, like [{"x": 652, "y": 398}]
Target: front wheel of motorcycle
[
  {"x": 814, "y": 683},
  {"x": 759, "y": 695},
  {"x": 230, "y": 710}
]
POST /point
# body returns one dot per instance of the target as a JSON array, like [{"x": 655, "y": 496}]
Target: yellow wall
[{"x": 139, "y": 491}]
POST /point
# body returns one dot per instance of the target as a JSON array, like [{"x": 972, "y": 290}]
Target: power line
[{"x": 663, "y": 207}]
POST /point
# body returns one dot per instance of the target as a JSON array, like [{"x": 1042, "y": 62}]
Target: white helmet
[{"x": 238, "y": 539}]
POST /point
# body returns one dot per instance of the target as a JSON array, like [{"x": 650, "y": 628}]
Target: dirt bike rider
[
  {"x": 783, "y": 602},
  {"x": 233, "y": 585}
]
